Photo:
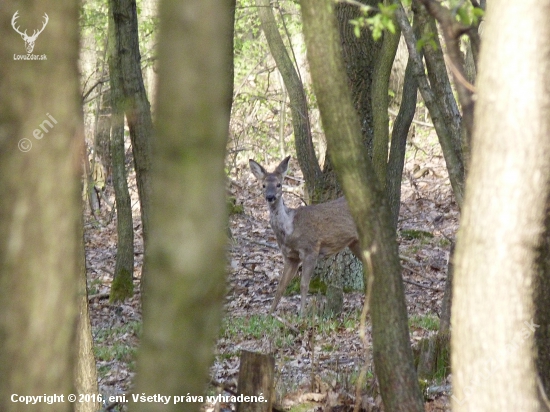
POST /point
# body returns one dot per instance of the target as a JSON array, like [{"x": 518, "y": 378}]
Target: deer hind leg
[
  {"x": 308, "y": 266},
  {"x": 289, "y": 271}
]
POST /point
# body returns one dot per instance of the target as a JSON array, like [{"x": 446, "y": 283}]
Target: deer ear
[
  {"x": 283, "y": 166},
  {"x": 257, "y": 170}
]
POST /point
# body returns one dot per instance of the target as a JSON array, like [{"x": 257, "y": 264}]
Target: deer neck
[{"x": 281, "y": 219}]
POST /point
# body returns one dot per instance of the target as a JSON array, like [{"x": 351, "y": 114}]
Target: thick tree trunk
[
  {"x": 122, "y": 286},
  {"x": 391, "y": 346},
  {"x": 360, "y": 55},
  {"x": 40, "y": 216},
  {"x": 136, "y": 105},
  {"x": 493, "y": 337},
  {"x": 182, "y": 309}
]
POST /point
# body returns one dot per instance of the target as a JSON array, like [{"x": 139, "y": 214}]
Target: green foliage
[
  {"x": 427, "y": 39},
  {"x": 411, "y": 234},
  {"x": 376, "y": 20},
  {"x": 94, "y": 20},
  {"x": 252, "y": 327},
  {"x": 116, "y": 344},
  {"x": 426, "y": 322},
  {"x": 465, "y": 12},
  {"x": 258, "y": 108}
]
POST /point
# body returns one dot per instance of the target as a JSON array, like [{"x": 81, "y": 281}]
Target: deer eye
[
  {"x": 263, "y": 185},
  {"x": 278, "y": 185}
]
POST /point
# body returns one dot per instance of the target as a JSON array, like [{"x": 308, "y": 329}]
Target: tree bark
[
  {"x": 136, "y": 105},
  {"x": 123, "y": 285},
  {"x": 40, "y": 215},
  {"x": 391, "y": 346},
  {"x": 493, "y": 356},
  {"x": 359, "y": 56},
  {"x": 182, "y": 309}
]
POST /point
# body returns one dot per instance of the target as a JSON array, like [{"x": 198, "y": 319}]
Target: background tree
[
  {"x": 493, "y": 356},
  {"x": 136, "y": 105},
  {"x": 391, "y": 346},
  {"x": 182, "y": 308},
  {"x": 123, "y": 285},
  {"x": 40, "y": 224}
]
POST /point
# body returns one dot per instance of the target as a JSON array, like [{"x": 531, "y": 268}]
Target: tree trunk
[
  {"x": 440, "y": 83},
  {"x": 493, "y": 344},
  {"x": 360, "y": 55},
  {"x": 391, "y": 346},
  {"x": 398, "y": 145},
  {"x": 136, "y": 105},
  {"x": 256, "y": 376},
  {"x": 380, "y": 97},
  {"x": 123, "y": 285},
  {"x": 298, "y": 103},
  {"x": 40, "y": 216},
  {"x": 85, "y": 373},
  {"x": 182, "y": 309},
  {"x": 542, "y": 310}
]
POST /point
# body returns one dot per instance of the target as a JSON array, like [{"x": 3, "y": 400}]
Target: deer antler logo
[{"x": 29, "y": 40}]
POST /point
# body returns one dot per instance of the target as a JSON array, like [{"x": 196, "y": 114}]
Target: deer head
[{"x": 29, "y": 40}]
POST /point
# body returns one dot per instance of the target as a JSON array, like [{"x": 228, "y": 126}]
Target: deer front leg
[
  {"x": 308, "y": 266},
  {"x": 289, "y": 271}
]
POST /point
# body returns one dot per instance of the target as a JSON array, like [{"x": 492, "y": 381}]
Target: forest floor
[{"x": 318, "y": 361}]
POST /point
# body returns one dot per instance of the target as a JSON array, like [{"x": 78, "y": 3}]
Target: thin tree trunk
[
  {"x": 502, "y": 224},
  {"x": 182, "y": 309},
  {"x": 136, "y": 105},
  {"x": 391, "y": 346},
  {"x": 40, "y": 215},
  {"x": 399, "y": 141},
  {"x": 122, "y": 286},
  {"x": 380, "y": 86}
]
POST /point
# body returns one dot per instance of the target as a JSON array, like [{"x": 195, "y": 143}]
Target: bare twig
[
  {"x": 420, "y": 285},
  {"x": 394, "y": 113}
]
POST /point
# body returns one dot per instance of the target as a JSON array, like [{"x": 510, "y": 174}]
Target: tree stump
[{"x": 256, "y": 380}]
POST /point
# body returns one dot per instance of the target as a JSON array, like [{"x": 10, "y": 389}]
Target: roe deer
[{"x": 306, "y": 233}]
